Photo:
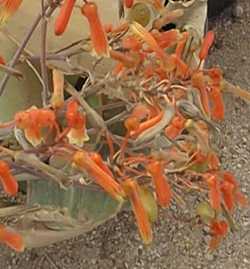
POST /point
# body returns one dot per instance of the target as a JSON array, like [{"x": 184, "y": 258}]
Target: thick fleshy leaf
[{"x": 62, "y": 214}]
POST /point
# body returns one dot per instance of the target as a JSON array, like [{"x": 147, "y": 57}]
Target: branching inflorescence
[{"x": 168, "y": 113}]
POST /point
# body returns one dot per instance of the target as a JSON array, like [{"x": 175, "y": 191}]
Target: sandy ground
[{"x": 178, "y": 244}]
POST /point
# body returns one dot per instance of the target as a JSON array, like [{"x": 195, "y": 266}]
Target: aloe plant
[{"x": 116, "y": 136}]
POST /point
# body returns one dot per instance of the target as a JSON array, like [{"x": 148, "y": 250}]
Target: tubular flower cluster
[{"x": 33, "y": 121}]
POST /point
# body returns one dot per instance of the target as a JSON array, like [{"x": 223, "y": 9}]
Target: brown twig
[
  {"x": 49, "y": 10},
  {"x": 11, "y": 71},
  {"x": 44, "y": 72}
]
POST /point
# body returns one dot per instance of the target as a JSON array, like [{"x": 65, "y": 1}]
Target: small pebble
[{"x": 238, "y": 11}]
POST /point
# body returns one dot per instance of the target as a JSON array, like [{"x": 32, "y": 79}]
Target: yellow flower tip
[
  {"x": 8, "y": 8},
  {"x": 77, "y": 137},
  {"x": 189, "y": 123}
]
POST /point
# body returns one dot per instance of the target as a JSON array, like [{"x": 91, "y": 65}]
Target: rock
[{"x": 237, "y": 11}]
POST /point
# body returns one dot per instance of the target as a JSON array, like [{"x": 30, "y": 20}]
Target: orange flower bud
[{"x": 97, "y": 31}]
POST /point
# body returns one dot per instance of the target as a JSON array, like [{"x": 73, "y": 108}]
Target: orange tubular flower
[
  {"x": 2, "y": 61},
  {"x": 148, "y": 38},
  {"x": 132, "y": 190},
  {"x": 131, "y": 124},
  {"x": 217, "y": 108},
  {"x": 8, "y": 181},
  {"x": 57, "y": 99},
  {"x": 182, "y": 69},
  {"x": 231, "y": 192},
  {"x": 99, "y": 161},
  {"x": 219, "y": 229},
  {"x": 125, "y": 59},
  {"x": 118, "y": 69},
  {"x": 128, "y": 3},
  {"x": 162, "y": 187},
  {"x": 32, "y": 121},
  {"x": 97, "y": 31},
  {"x": 167, "y": 39},
  {"x": 206, "y": 45},
  {"x": 63, "y": 18},
  {"x": 175, "y": 128},
  {"x": 131, "y": 43},
  {"x": 11, "y": 239},
  {"x": 199, "y": 82},
  {"x": 7, "y": 8},
  {"x": 214, "y": 191},
  {"x": 146, "y": 125},
  {"x": 76, "y": 123},
  {"x": 83, "y": 161}
]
